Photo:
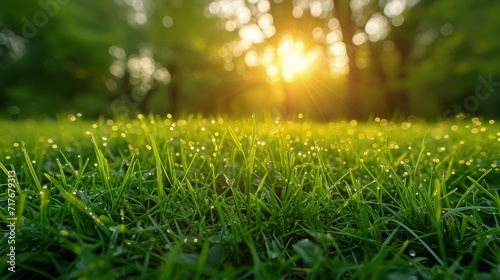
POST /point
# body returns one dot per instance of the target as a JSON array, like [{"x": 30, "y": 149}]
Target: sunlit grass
[{"x": 218, "y": 198}]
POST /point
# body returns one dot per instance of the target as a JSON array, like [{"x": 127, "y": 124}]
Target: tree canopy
[{"x": 323, "y": 58}]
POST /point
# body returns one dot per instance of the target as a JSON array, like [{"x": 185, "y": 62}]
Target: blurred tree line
[{"x": 369, "y": 57}]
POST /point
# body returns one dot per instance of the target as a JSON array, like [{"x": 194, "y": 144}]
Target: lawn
[{"x": 211, "y": 198}]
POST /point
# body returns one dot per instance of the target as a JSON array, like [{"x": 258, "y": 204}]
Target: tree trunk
[
  {"x": 343, "y": 13},
  {"x": 174, "y": 89},
  {"x": 287, "y": 106}
]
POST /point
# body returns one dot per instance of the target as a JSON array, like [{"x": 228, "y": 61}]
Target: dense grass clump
[{"x": 158, "y": 198}]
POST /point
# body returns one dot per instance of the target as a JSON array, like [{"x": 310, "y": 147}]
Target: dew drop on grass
[{"x": 412, "y": 253}]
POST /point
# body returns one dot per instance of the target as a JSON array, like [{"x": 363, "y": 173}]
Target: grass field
[{"x": 158, "y": 198}]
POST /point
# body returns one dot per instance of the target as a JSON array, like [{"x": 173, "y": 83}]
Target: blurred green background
[{"x": 326, "y": 59}]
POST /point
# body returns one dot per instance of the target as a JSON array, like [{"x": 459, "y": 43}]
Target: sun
[
  {"x": 291, "y": 60},
  {"x": 293, "y": 63}
]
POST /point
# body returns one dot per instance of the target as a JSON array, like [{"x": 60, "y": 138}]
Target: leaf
[
  {"x": 188, "y": 258},
  {"x": 308, "y": 251},
  {"x": 216, "y": 256}
]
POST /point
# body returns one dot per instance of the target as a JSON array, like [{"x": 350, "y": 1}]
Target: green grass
[{"x": 157, "y": 198}]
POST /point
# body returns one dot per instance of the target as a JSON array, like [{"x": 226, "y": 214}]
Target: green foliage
[
  {"x": 64, "y": 56},
  {"x": 451, "y": 52},
  {"x": 154, "y": 197},
  {"x": 56, "y": 56}
]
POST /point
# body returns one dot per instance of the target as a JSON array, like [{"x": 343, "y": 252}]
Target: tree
[
  {"x": 61, "y": 60},
  {"x": 331, "y": 33},
  {"x": 453, "y": 66},
  {"x": 177, "y": 46}
]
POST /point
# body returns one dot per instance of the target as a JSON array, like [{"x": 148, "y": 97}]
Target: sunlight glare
[
  {"x": 377, "y": 27},
  {"x": 292, "y": 57},
  {"x": 272, "y": 70},
  {"x": 251, "y": 33},
  {"x": 293, "y": 63}
]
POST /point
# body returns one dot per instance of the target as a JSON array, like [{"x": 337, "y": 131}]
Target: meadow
[{"x": 219, "y": 198}]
